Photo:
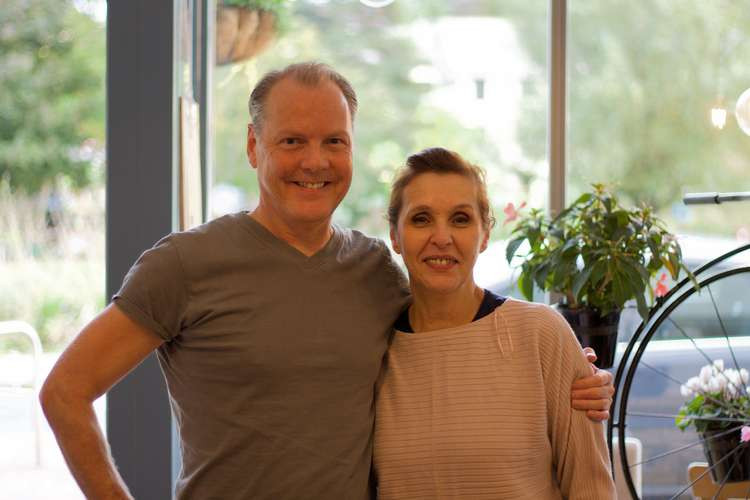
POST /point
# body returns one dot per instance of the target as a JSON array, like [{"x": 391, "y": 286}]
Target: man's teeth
[
  {"x": 440, "y": 262},
  {"x": 311, "y": 185}
]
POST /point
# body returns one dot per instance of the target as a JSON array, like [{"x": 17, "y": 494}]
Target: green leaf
[
  {"x": 642, "y": 306},
  {"x": 510, "y": 250},
  {"x": 580, "y": 281},
  {"x": 526, "y": 286}
]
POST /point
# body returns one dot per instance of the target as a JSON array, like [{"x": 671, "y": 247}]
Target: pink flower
[
  {"x": 745, "y": 434},
  {"x": 661, "y": 287},
  {"x": 511, "y": 212}
]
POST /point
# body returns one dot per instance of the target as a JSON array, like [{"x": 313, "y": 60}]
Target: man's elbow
[{"x": 57, "y": 399}]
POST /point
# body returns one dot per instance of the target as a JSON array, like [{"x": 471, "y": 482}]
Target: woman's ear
[
  {"x": 394, "y": 241},
  {"x": 485, "y": 241}
]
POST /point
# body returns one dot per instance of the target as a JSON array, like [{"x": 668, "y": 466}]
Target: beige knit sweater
[{"x": 483, "y": 411}]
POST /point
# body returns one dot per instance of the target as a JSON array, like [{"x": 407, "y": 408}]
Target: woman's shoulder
[
  {"x": 535, "y": 319},
  {"x": 529, "y": 312}
]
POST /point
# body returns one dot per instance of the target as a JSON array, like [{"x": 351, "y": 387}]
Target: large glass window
[
  {"x": 652, "y": 88},
  {"x": 469, "y": 76},
  {"x": 644, "y": 81},
  {"x": 52, "y": 225}
]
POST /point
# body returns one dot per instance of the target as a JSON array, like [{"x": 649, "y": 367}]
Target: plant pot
[
  {"x": 242, "y": 33},
  {"x": 716, "y": 448},
  {"x": 595, "y": 331}
]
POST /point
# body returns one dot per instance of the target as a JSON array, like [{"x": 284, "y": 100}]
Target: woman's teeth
[{"x": 440, "y": 261}]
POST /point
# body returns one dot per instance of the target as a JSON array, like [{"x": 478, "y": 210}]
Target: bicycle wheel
[{"x": 689, "y": 330}]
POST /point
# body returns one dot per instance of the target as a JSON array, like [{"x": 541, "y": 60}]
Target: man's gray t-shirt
[{"x": 271, "y": 356}]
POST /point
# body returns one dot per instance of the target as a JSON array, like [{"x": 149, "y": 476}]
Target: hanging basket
[{"x": 241, "y": 33}]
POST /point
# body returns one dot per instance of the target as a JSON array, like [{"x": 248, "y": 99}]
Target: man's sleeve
[
  {"x": 579, "y": 448},
  {"x": 154, "y": 292}
]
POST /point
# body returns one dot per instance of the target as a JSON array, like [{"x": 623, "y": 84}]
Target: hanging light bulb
[
  {"x": 376, "y": 3},
  {"x": 718, "y": 116},
  {"x": 742, "y": 111}
]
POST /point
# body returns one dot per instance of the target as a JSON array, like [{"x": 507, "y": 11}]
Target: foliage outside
[
  {"x": 51, "y": 168},
  {"x": 51, "y": 95},
  {"x": 718, "y": 399},
  {"x": 52, "y": 273},
  {"x": 596, "y": 253}
]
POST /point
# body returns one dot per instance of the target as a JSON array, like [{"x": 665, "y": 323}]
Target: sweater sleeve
[{"x": 579, "y": 449}]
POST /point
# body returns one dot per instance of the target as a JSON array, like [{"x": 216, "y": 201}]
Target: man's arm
[
  {"x": 109, "y": 347},
  {"x": 593, "y": 393}
]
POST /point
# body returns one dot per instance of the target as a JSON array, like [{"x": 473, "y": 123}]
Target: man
[{"x": 270, "y": 327}]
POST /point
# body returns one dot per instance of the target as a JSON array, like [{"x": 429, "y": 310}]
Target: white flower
[
  {"x": 732, "y": 391},
  {"x": 744, "y": 375},
  {"x": 686, "y": 392},
  {"x": 719, "y": 365},
  {"x": 716, "y": 384},
  {"x": 734, "y": 377},
  {"x": 693, "y": 385},
  {"x": 723, "y": 380},
  {"x": 705, "y": 375}
]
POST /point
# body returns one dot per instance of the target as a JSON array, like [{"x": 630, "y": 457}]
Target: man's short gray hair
[{"x": 307, "y": 73}]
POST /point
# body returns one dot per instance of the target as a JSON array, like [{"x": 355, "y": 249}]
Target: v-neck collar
[{"x": 276, "y": 244}]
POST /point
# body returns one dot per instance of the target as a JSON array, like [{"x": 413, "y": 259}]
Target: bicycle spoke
[
  {"x": 691, "y": 339},
  {"x": 726, "y": 336},
  {"x": 685, "y": 447},
  {"x": 668, "y": 415},
  {"x": 724, "y": 481},
  {"x": 709, "y": 469},
  {"x": 660, "y": 372},
  {"x": 741, "y": 388}
]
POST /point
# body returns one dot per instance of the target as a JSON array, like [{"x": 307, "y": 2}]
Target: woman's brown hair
[{"x": 439, "y": 161}]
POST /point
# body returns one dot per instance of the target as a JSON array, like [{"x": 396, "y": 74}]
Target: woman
[{"x": 474, "y": 401}]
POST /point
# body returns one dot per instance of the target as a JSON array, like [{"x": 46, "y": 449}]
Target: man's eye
[
  {"x": 289, "y": 141},
  {"x": 337, "y": 141}
]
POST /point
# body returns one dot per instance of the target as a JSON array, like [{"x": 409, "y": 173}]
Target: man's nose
[{"x": 315, "y": 157}]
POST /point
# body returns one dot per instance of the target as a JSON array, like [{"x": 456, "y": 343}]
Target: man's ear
[
  {"x": 252, "y": 144},
  {"x": 394, "y": 241}
]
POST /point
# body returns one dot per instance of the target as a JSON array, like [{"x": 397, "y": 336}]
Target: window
[{"x": 471, "y": 78}]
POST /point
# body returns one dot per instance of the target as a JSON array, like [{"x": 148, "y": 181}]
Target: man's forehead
[
  {"x": 292, "y": 94},
  {"x": 295, "y": 105}
]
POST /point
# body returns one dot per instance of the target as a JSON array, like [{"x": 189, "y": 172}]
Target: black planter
[
  {"x": 595, "y": 331},
  {"x": 716, "y": 448}
]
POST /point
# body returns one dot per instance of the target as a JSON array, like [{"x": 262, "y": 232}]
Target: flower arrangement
[{"x": 718, "y": 400}]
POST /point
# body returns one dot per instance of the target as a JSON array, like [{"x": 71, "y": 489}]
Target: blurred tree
[
  {"x": 373, "y": 48},
  {"x": 642, "y": 78},
  {"x": 51, "y": 94}
]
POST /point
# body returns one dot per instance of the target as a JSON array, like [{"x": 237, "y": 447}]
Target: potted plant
[
  {"x": 598, "y": 256},
  {"x": 245, "y": 27},
  {"x": 718, "y": 406}
]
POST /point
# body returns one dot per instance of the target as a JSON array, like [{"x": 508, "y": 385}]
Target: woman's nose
[{"x": 442, "y": 236}]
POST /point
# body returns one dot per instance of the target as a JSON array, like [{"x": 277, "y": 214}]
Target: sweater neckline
[{"x": 459, "y": 328}]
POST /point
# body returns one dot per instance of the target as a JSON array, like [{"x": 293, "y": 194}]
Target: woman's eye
[
  {"x": 461, "y": 219},
  {"x": 420, "y": 219}
]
